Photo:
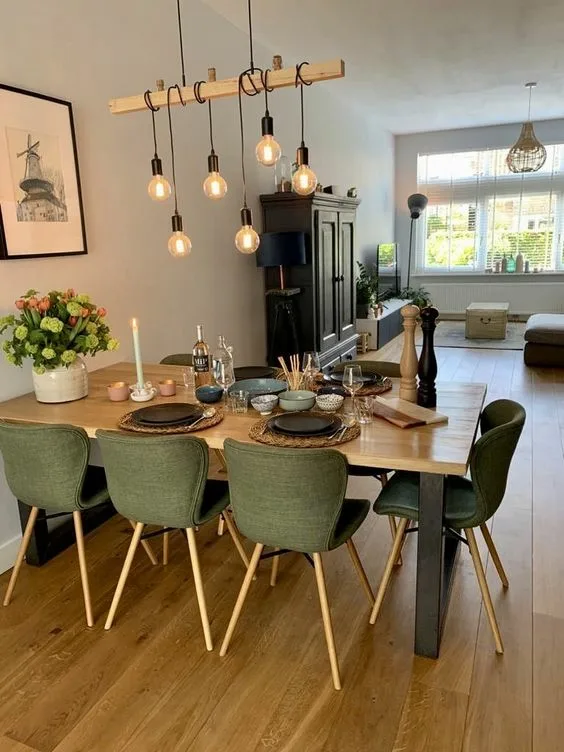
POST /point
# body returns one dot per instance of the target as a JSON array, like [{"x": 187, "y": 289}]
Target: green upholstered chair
[
  {"x": 468, "y": 503},
  {"x": 162, "y": 480},
  {"x": 47, "y": 468},
  {"x": 178, "y": 359},
  {"x": 392, "y": 371},
  {"x": 293, "y": 500}
]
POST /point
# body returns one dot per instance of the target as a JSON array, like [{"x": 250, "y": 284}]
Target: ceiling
[{"x": 420, "y": 66}]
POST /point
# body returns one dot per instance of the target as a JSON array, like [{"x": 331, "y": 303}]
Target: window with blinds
[{"x": 479, "y": 212}]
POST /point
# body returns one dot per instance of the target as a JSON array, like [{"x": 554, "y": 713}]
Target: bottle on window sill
[
  {"x": 519, "y": 263},
  {"x": 511, "y": 264},
  {"x": 504, "y": 264}
]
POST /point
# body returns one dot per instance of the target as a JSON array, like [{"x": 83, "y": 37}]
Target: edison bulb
[
  {"x": 304, "y": 180},
  {"x": 268, "y": 150},
  {"x": 247, "y": 239},
  {"x": 179, "y": 244},
  {"x": 215, "y": 185},
  {"x": 159, "y": 188}
]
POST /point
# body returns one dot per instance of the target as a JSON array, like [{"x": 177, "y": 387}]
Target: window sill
[{"x": 488, "y": 275}]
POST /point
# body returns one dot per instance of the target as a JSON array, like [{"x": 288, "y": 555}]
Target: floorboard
[{"x": 148, "y": 685}]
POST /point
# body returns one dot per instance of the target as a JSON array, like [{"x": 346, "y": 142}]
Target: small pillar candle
[{"x": 137, "y": 352}]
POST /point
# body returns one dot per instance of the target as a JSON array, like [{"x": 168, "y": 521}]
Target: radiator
[{"x": 523, "y": 297}]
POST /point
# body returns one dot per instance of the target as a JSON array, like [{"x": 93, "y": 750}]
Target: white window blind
[{"x": 479, "y": 211}]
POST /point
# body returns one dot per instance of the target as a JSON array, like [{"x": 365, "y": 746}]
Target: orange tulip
[
  {"x": 70, "y": 293},
  {"x": 73, "y": 320},
  {"x": 33, "y": 302},
  {"x": 20, "y": 303},
  {"x": 85, "y": 312},
  {"x": 44, "y": 304},
  {"x": 101, "y": 312}
]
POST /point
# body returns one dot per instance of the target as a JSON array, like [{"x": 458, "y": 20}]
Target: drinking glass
[
  {"x": 239, "y": 401},
  {"x": 363, "y": 411},
  {"x": 189, "y": 376},
  {"x": 224, "y": 375},
  {"x": 352, "y": 381},
  {"x": 311, "y": 366}
]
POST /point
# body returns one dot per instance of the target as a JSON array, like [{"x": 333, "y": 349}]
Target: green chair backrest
[
  {"x": 178, "y": 359},
  {"x": 383, "y": 367},
  {"x": 290, "y": 498},
  {"x": 45, "y": 465},
  {"x": 158, "y": 480},
  {"x": 501, "y": 424}
]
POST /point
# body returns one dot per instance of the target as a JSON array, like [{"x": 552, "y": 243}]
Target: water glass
[
  {"x": 239, "y": 401},
  {"x": 311, "y": 366},
  {"x": 189, "y": 376},
  {"x": 352, "y": 380},
  {"x": 363, "y": 410}
]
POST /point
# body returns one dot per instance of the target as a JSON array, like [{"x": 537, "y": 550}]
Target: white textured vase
[{"x": 62, "y": 384}]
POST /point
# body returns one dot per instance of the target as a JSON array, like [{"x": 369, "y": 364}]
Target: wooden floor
[{"x": 149, "y": 685}]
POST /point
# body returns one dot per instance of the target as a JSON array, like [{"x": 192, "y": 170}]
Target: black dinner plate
[
  {"x": 254, "y": 372},
  {"x": 302, "y": 424},
  {"x": 368, "y": 378},
  {"x": 170, "y": 414}
]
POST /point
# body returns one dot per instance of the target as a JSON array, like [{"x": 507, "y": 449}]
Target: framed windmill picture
[{"x": 41, "y": 210}]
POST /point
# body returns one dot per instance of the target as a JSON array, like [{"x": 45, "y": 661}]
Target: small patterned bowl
[
  {"x": 264, "y": 403},
  {"x": 330, "y": 403},
  {"x": 208, "y": 394}
]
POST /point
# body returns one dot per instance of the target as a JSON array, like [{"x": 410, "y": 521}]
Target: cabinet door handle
[
  {"x": 337, "y": 279},
  {"x": 342, "y": 278}
]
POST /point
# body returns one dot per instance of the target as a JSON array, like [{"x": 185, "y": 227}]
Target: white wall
[
  {"x": 91, "y": 52},
  {"x": 522, "y": 295}
]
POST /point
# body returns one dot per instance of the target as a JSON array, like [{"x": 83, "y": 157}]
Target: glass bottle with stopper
[
  {"x": 222, "y": 360},
  {"x": 201, "y": 359}
]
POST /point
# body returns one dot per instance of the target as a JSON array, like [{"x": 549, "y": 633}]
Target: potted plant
[
  {"x": 417, "y": 295},
  {"x": 54, "y": 331},
  {"x": 366, "y": 288}
]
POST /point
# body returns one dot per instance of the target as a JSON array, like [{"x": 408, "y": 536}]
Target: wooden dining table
[{"x": 433, "y": 451}]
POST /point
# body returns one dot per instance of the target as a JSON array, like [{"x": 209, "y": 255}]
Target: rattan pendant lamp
[{"x": 528, "y": 154}]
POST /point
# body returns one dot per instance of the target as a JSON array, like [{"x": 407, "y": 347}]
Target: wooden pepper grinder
[
  {"x": 427, "y": 371},
  {"x": 408, "y": 362}
]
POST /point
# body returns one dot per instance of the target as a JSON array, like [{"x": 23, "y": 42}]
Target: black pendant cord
[
  {"x": 181, "y": 43},
  {"x": 301, "y": 82},
  {"x": 202, "y": 100},
  {"x": 211, "y": 126},
  {"x": 251, "y": 56},
  {"x": 267, "y": 90},
  {"x": 242, "y": 131},
  {"x": 410, "y": 250},
  {"x": 183, "y": 103},
  {"x": 153, "y": 109}
]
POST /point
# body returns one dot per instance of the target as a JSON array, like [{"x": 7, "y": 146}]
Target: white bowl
[
  {"x": 264, "y": 403},
  {"x": 330, "y": 403}
]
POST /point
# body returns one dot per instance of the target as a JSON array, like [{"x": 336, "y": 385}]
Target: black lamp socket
[
  {"x": 267, "y": 125},
  {"x": 302, "y": 156},
  {"x": 156, "y": 166},
  {"x": 176, "y": 223},
  {"x": 246, "y": 216}
]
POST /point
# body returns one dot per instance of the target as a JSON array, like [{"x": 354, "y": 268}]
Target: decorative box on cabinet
[{"x": 326, "y": 306}]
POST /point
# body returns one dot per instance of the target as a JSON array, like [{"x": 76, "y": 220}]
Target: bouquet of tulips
[{"x": 55, "y": 329}]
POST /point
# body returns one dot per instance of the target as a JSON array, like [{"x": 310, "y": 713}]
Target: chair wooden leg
[
  {"x": 21, "y": 554},
  {"x": 471, "y": 538},
  {"x": 221, "y": 525},
  {"x": 165, "y": 548},
  {"x": 494, "y": 554},
  {"x": 124, "y": 573},
  {"x": 220, "y": 456},
  {"x": 82, "y": 564},
  {"x": 191, "y": 535},
  {"x": 241, "y": 597},
  {"x": 234, "y": 533},
  {"x": 394, "y": 530},
  {"x": 360, "y": 571},
  {"x": 326, "y": 615},
  {"x": 147, "y": 548},
  {"x": 396, "y": 548},
  {"x": 274, "y": 570}
]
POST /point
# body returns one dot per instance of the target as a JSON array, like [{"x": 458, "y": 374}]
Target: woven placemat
[
  {"x": 260, "y": 432},
  {"x": 128, "y": 423}
]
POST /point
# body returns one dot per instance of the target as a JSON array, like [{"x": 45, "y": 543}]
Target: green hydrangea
[
  {"x": 48, "y": 353},
  {"x": 31, "y": 349},
  {"x": 39, "y": 370},
  {"x": 50, "y": 324},
  {"x": 113, "y": 344},
  {"x": 68, "y": 356},
  {"x": 91, "y": 328},
  {"x": 7, "y": 320},
  {"x": 10, "y": 358},
  {"x": 21, "y": 332},
  {"x": 92, "y": 341},
  {"x": 74, "y": 309},
  {"x": 7, "y": 346},
  {"x": 83, "y": 298}
]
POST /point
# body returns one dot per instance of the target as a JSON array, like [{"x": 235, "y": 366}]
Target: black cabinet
[{"x": 326, "y": 305}]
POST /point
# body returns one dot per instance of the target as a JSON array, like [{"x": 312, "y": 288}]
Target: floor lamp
[{"x": 416, "y": 204}]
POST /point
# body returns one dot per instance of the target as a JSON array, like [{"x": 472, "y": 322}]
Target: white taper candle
[{"x": 137, "y": 352}]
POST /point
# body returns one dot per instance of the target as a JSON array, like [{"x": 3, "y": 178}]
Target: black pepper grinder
[{"x": 427, "y": 369}]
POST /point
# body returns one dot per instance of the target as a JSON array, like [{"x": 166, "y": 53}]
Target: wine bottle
[{"x": 201, "y": 359}]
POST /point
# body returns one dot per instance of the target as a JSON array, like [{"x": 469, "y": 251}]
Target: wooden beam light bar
[{"x": 229, "y": 87}]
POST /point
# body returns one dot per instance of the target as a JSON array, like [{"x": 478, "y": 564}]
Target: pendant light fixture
[
  {"x": 304, "y": 180},
  {"x": 268, "y": 150},
  {"x": 159, "y": 188},
  {"x": 215, "y": 186},
  {"x": 246, "y": 239},
  {"x": 528, "y": 154},
  {"x": 179, "y": 244}
]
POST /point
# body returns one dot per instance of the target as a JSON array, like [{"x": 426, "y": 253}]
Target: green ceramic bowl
[{"x": 298, "y": 400}]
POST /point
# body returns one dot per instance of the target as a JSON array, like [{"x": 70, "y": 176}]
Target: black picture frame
[{"x": 77, "y": 225}]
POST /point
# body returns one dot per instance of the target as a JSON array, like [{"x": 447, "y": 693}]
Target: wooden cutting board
[{"x": 406, "y": 414}]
